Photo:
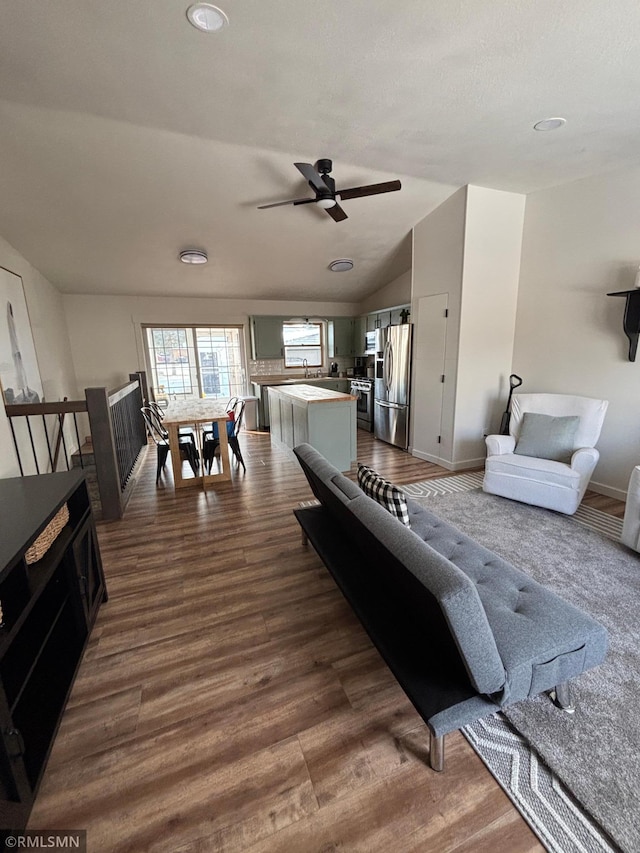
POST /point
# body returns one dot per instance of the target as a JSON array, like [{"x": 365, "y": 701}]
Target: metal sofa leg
[
  {"x": 436, "y": 752},
  {"x": 561, "y": 697}
]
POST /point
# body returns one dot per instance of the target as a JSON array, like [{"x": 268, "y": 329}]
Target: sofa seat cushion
[
  {"x": 538, "y": 635},
  {"x": 529, "y": 467}
]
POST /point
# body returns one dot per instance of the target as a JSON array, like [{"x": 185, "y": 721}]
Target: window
[
  {"x": 302, "y": 341},
  {"x": 196, "y": 361}
]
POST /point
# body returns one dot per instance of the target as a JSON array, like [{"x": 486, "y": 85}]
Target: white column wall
[
  {"x": 493, "y": 240},
  {"x": 438, "y": 251}
]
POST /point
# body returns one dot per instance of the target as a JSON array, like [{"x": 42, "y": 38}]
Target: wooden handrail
[{"x": 15, "y": 410}]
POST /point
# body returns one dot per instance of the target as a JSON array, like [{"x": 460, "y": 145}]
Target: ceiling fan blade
[
  {"x": 336, "y": 213},
  {"x": 370, "y": 189},
  {"x": 291, "y": 201},
  {"x": 311, "y": 175}
]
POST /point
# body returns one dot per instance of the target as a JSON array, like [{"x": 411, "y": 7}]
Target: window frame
[
  {"x": 321, "y": 345},
  {"x": 195, "y": 369}
]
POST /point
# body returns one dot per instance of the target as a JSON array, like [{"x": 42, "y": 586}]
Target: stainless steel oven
[{"x": 362, "y": 389}]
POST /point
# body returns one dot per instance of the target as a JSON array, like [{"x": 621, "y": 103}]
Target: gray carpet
[{"x": 596, "y": 751}]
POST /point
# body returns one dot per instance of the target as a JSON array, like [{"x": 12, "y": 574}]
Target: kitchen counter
[
  {"x": 323, "y": 418},
  {"x": 309, "y": 394},
  {"x": 261, "y": 384}
]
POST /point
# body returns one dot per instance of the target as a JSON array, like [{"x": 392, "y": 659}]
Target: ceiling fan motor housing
[{"x": 323, "y": 166}]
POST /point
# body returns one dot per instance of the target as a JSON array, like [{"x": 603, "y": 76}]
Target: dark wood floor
[{"x": 229, "y": 700}]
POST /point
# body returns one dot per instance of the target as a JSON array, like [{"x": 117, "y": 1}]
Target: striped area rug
[{"x": 542, "y": 799}]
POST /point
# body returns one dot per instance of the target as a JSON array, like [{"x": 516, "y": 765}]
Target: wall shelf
[{"x": 631, "y": 321}]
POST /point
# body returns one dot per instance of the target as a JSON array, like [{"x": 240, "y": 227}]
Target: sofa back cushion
[{"x": 432, "y": 588}]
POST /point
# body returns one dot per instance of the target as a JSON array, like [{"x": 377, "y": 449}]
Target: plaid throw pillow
[{"x": 385, "y": 493}]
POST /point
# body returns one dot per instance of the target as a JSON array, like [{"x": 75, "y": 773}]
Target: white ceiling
[{"x": 127, "y": 135}]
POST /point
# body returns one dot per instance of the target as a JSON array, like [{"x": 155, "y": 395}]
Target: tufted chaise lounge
[{"x": 464, "y": 632}]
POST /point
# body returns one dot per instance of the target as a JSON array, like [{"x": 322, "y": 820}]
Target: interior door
[{"x": 428, "y": 385}]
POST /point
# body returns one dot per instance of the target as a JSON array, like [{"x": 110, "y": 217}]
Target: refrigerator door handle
[
  {"x": 390, "y": 360},
  {"x": 386, "y": 366},
  {"x": 389, "y": 405}
]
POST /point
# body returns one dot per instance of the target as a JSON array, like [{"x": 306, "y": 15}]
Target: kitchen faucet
[{"x": 305, "y": 364}]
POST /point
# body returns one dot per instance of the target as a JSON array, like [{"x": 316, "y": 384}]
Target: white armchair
[
  {"x": 556, "y": 485},
  {"x": 631, "y": 525}
]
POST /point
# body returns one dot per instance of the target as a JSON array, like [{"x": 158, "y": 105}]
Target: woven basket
[{"x": 48, "y": 536}]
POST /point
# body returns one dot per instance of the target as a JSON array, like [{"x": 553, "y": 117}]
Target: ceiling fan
[{"x": 327, "y": 197}]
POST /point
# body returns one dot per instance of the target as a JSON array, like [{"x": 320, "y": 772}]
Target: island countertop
[{"x": 310, "y": 394}]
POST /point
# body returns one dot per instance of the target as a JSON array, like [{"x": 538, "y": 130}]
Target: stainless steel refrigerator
[{"x": 391, "y": 392}]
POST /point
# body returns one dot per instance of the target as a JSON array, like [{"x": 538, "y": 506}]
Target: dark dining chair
[
  {"x": 160, "y": 438},
  {"x": 182, "y": 431},
  {"x": 212, "y": 438}
]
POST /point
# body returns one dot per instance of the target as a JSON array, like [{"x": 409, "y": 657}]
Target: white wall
[
  {"x": 493, "y": 241},
  {"x": 396, "y": 292},
  {"x": 53, "y": 350},
  {"x": 438, "y": 250},
  {"x": 469, "y": 249},
  {"x": 106, "y": 336},
  {"x": 581, "y": 241}
]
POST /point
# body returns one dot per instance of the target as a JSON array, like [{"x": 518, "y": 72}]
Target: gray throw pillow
[{"x": 547, "y": 437}]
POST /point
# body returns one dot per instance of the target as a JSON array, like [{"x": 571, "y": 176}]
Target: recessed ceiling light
[
  {"x": 341, "y": 265},
  {"x": 193, "y": 256},
  {"x": 206, "y": 17},
  {"x": 549, "y": 124}
]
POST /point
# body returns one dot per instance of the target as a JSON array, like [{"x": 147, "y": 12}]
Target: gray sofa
[{"x": 463, "y": 631}]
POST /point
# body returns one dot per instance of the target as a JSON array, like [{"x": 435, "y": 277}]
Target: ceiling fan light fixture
[
  {"x": 206, "y": 17},
  {"x": 193, "y": 256},
  {"x": 341, "y": 265},
  {"x": 326, "y": 203}
]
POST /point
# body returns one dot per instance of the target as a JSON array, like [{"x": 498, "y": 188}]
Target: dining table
[{"x": 195, "y": 413}]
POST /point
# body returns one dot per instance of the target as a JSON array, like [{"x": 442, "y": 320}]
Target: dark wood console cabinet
[{"x": 49, "y": 608}]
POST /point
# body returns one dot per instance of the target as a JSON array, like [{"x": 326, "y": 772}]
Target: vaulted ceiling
[{"x": 126, "y": 135}]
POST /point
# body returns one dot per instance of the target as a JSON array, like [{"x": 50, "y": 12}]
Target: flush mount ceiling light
[
  {"x": 341, "y": 265},
  {"x": 206, "y": 17},
  {"x": 193, "y": 256},
  {"x": 549, "y": 124}
]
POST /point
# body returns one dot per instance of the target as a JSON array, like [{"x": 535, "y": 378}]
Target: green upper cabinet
[
  {"x": 266, "y": 337},
  {"x": 392, "y": 317},
  {"x": 340, "y": 337},
  {"x": 359, "y": 332}
]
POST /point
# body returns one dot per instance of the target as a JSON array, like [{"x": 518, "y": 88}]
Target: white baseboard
[
  {"x": 446, "y": 463},
  {"x": 609, "y": 491},
  {"x": 436, "y": 460}
]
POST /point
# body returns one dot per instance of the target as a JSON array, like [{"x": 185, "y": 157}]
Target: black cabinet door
[{"x": 88, "y": 567}]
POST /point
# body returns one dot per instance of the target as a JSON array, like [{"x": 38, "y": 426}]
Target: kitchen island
[
  {"x": 323, "y": 418},
  {"x": 260, "y": 386}
]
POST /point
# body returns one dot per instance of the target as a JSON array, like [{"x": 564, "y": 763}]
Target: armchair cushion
[{"x": 547, "y": 437}]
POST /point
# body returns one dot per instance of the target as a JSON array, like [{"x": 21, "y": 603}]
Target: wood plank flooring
[{"x": 230, "y": 701}]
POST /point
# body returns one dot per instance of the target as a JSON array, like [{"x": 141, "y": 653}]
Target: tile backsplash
[{"x": 275, "y": 366}]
